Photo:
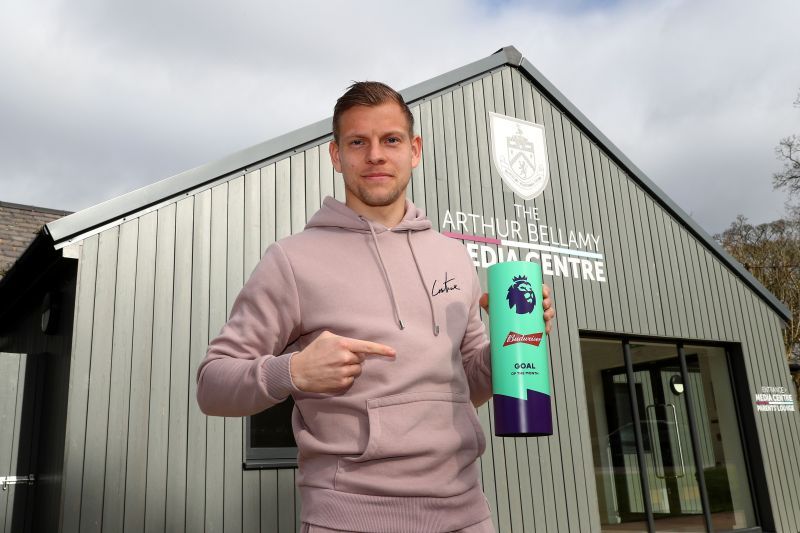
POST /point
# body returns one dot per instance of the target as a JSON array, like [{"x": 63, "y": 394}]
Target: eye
[
  {"x": 356, "y": 142},
  {"x": 393, "y": 140}
]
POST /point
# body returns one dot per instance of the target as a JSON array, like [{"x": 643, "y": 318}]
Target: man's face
[{"x": 375, "y": 154}]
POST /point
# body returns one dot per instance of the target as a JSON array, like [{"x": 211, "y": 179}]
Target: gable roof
[{"x": 94, "y": 219}]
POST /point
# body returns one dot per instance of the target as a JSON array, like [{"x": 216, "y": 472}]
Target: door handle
[
  {"x": 5, "y": 481},
  {"x": 677, "y": 438}
]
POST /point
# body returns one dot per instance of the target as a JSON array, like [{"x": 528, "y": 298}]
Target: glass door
[{"x": 655, "y": 414}]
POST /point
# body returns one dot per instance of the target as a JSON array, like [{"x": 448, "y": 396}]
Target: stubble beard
[{"x": 374, "y": 198}]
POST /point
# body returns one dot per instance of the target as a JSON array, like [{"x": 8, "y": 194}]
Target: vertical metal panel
[
  {"x": 729, "y": 279},
  {"x": 217, "y": 315},
  {"x": 429, "y": 157},
  {"x": 640, "y": 229},
  {"x": 283, "y": 199},
  {"x": 136, "y": 467},
  {"x": 120, "y": 392},
  {"x": 252, "y": 221},
  {"x": 99, "y": 383},
  {"x": 234, "y": 282},
  {"x": 679, "y": 281},
  {"x": 462, "y": 154},
  {"x": 622, "y": 200},
  {"x": 286, "y": 501},
  {"x": 719, "y": 323},
  {"x": 312, "y": 181},
  {"x": 566, "y": 155},
  {"x": 268, "y": 208},
  {"x": 416, "y": 187},
  {"x": 325, "y": 172},
  {"x": 597, "y": 190},
  {"x": 586, "y": 206},
  {"x": 473, "y": 164},
  {"x": 664, "y": 267},
  {"x": 452, "y": 198},
  {"x": 196, "y": 430},
  {"x": 704, "y": 305},
  {"x": 180, "y": 369},
  {"x": 12, "y": 392},
  {"x": 158, "y": 421},
  {"x": 722, "y": 277},
  {"x": 79, "y": 386},
  {"x": 690, "y": 306},
  {"x": 618, "y": 267},
  {"x": 269, "y": 500},
  {"x": 298, "y": 194},
  {"x": 442, "y": 183}
]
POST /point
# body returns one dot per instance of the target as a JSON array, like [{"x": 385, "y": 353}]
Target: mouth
[{"x": 377, "y": 176}]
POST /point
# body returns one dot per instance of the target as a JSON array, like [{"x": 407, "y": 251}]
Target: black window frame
[{"x": 267, "y": 457}]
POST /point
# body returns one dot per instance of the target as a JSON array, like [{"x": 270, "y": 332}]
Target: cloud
[{"x": 104, "y": 97}]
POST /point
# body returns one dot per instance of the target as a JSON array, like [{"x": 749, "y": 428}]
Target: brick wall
[{"x": 19, "y": 224}]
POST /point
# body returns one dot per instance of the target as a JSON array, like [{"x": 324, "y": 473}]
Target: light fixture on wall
[{"x": 676, "y": 385}]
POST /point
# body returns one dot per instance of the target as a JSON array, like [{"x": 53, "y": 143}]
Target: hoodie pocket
[{"x": 420, "y": 444}]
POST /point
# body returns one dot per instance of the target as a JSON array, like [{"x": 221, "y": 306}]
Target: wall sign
[
  {"x": 774, "y": 399},
  {"x": 519, "y": 153}
]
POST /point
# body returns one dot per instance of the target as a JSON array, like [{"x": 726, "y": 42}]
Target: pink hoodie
[{"x": 397, "y": 451}]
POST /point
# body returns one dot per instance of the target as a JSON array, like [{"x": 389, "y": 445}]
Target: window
[
  {"x": 687, "y": 465},
  {"x": 269, "y": 438}
]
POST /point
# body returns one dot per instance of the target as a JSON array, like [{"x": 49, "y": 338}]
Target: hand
[
  {"x": 547, "y": 305},
  {"x": 332, "y": 363}
]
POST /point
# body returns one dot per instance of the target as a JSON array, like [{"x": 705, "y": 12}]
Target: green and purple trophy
[{"x": 520, "y": 371}]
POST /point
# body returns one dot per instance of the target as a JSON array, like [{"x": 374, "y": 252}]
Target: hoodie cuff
[{"x": 277, "y": 378}]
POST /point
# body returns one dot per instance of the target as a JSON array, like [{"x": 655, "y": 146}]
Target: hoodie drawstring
[
  {"x": 430, "y": 299},
  {"x": 385, "y": 274},
  {"x": 392, "y": 297}
]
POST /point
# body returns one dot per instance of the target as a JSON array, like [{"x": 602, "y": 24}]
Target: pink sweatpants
[{"x": 481, "y": 527}]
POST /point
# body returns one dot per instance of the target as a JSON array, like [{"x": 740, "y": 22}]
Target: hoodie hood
[{"x": 335, "y": 214}]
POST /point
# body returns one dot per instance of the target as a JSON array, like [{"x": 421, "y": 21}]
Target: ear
[
  {"x": 416, "y": 150},
  {"x": 333, "y": 149}
]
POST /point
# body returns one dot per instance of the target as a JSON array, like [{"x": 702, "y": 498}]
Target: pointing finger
[{"x": 368, "y": 347}]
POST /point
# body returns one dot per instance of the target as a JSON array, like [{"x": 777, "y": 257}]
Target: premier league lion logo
[{"x": 520, "y": 295}]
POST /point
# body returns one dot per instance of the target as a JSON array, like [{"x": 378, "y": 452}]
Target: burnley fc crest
[{"x": 519, "y": 154}]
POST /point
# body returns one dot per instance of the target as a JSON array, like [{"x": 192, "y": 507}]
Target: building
[{"x": 672, "y": 399}]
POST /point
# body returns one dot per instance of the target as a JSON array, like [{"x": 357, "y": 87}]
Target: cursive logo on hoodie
[{"x": 445, "y": 287}]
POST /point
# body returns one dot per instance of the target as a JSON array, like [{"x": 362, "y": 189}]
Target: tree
[
  {"x": 788, "y": 151},
  {"x": 771, "y": 252}
]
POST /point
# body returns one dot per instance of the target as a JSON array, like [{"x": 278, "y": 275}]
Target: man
[{"x": 387, "y": 369}]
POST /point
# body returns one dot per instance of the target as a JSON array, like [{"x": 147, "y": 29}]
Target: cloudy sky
[{"x": 101, "y": 97}]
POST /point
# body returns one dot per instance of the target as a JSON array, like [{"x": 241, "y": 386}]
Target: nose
[{"x": 376, "y": 155}]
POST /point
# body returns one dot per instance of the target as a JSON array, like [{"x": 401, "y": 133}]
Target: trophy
[{"x": 520, "y": 370}]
